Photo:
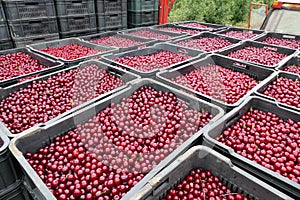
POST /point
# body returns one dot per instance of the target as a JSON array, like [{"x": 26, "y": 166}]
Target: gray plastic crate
[
  {"x": 173, "y": 36},
  {"x": 110, "y": 6},
  {"x": 144, "y": 42},
  {"x": 23, "y": 41},
  {"x": 31, "y": 142},
  {"x": 16, "y": 192},
  {"x": 210, "y": 27},
  {"x": 4, "y": 32},
  {"x": 25, "y": 9},
  {"x": 62, "y": 42},
  {"x": 77, "y": 23},
  {"x": 51, "y": 64},
  {"x": 185, "y": 30},
  {"x": 6, "y": 44},
  {"x": 151, "y": 50},
  {"x": 33, "y": 27},
  {"x": 262, "y": 38},
  {"x": 259, "y": 91},
  {"x": 283, "y": 184},
  {"x": 142, "y": 17},
  {"x": 233, "y": 41},
  {"x": 258, "y": 33},
  {"x": 142, "y": 5},
  {"x": 244, "y": 44},
  {"x": 74, "y": 7},
  {"x": 112, "y": 20},
  {"x": 127, "y": 77},
  {"x": 256, "y": 72},
  {"x": 9, "y": 174},
  {"x": 230, "y": 175},
  {"x": 293, "y": 61}
]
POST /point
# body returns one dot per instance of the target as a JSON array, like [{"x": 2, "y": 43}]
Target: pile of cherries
[
  {"x": 291, "y": 43},
  {"x": 17, "y": 64},
  {"x": 285, "y": 90},
  {"x": 180, "y": 30},
  {"x": 242, "y": 35},
  {"x": 71, "y": 51},
  {"x": 205, "y": 43},
  {"x": 217, "y": 82},
  {"x": 43, "y": 100},
  {"x": 264, "y": 56},
  {"x": 116, "y": 41},
  {"x": 197, "y": 25},
  {"x": 158, "y": 60},
  {"x": 268, "y": 140},
  {"x": 202, "y": 184},
  {"x": 106, "y": 156},
  {"x": 293, "y": 69},
  {"x": 151, "y": 35}
]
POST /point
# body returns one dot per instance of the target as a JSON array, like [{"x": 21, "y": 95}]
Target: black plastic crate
[
  {"x": 26, "y": 9},
  {"x": 33, "y": 27},
  {"x": 33, "y": 141},
  {"x": 110, "y": 6},
  {"x": 77, "y": 23},
  {"x": 16, "y": 192},
  {"x": 259, "y": 91},
  {"x": 126, "y": 76},
  {"x": 283, "y": 184},
  {"x": 142, "y": 17},
  {"x": 6, "y": 44},
  {"x": 258, "y": 33},
  {"x": 151, "y": 50},
  {"x": 293, "y": 61},
  {"x": 70, "y": 34},
  {"x": 109, "y": 21},
  {"x": 142, "y": 5},
  {"x": 4, "y": 31},
  {"x": 208, "y": 26},
  {"x": 23, "y": 41},
  {"x": 51, "y": 64},
  {"x": 203, "y": 157},
  {"x": 177, "y": 29},
  {"x": 143, "y": 42},
  {"x": 130, "y": 25},
  {"x": 74, "y": 7},
  {"x": 173, "y": 36},
  {"x": 282, "y": 50},
  {"x": 2, "y": 14},
  {"x": 62, "y": 42},
  {"x": 280, "y": 36},
  {"x": 233, "y": 41},
  {"x": 256, "y": 72},
  {"x": 9, "y": 174}
]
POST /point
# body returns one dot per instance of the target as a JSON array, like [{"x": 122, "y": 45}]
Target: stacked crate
[
  {"x": 142, "y": 13},
  {"x": 5, "y": 41},
  {"x": 111, "y": 15},
  {"x": 76, "y": 17},
  {"x": 30, "y": 21}
]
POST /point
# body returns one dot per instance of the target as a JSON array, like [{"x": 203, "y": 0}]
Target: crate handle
[
  {"x": 31, "y": 3},
  {"x": 148, "y": 12},
  {"x": 36, "y": 22},
  {"x": 289, "y": 37},
  {"x": 270, "y": 48},
  {"x": 79, "y": 17},
  {"x": 77, "y": 1},
  {"x": 240, "y": 65},
  {"x": 183, "y": 51},
  {"x": 38, "y": 39}
]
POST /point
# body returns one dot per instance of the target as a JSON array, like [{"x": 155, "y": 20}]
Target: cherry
[{"x": 151, "y": 34}]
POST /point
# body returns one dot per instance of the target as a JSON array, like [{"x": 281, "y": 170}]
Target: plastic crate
[
  {"x": 62, "y": 42},
  {"x": 258, "y": 33},
  {"x": 117, "y": 28},
  {"x": 244, "y": 44},
  {"x": 74, "y": 7},
  {"x": 233, "y": 41},
  {"x": 142, "y": 17},
  {"x": 4, "y": 31},
  {"x": 109, "y": 21},
  {"x": 77, "y": 23},
  {"x": 6, "y": 44},
  {"x": 23, "y": 41},
  {"x": 203, "y": 157},
  {"x": 151, "y": 50},
  {"x": 16, "y": 192},
  {"x": 33, "y": 27},
  {"x": 26, "y": 9},
  {"x": 186, "y": 30},
  {"x": 51, "y": 64},
  {"x": 210, "y": 27},
  {"x": 33, "y": 141},
  {"x": 9, "y": 174},
  {"x": 130, "y": 25},
  {"x": 2, "y": 14},
  {"x": 256, "y": 72},
  {"x": 293, "y": 61},
  {"x": 173, "y": 36},
  {"x": 262, "y": 38},
  {"x": 142, "y": 5},
  {"x": 70, "y": 34},
  {"x": 259, "y": 91},
  {"x": 127, "y": 77},
  {"x": 110, "y": 6},
  {"x": 144, "y": 42},
  {"x": 274, "y": 179}
]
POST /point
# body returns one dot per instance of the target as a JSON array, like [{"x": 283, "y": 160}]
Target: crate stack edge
[{"x": 5, "y": 41}]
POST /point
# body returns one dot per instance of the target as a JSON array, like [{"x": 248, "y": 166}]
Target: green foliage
[{"x": 212, "y": 11}]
